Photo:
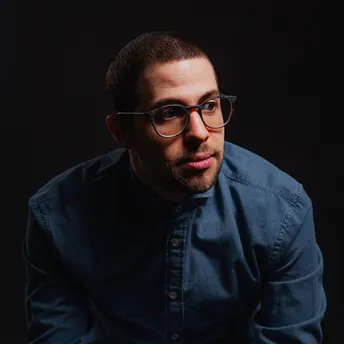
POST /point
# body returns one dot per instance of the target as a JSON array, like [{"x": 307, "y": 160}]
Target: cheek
[
  {"x": 159, "y": 151},
  {"x": 155, "y": 149},
  {"x": 148, "y": 147},
  {"x": 145, "y": 137},
  {"x": 173, "y": 151}
]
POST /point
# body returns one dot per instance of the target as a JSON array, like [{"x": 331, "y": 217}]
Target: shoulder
[
  {"x": 74, "y": 182},
  {"x": 269, "y": 205},
  {"x": 253, "y": 172}
]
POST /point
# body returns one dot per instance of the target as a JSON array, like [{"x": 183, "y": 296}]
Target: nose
[{"x": 196, "y": 129}]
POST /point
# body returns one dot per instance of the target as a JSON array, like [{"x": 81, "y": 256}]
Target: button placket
[{"x": 174, "y": 275}]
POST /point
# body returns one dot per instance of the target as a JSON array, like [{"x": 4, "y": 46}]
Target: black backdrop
[{"x": 275, "y": 57}]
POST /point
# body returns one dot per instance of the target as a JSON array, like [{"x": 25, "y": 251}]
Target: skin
[{"x": 160, "y": 162}]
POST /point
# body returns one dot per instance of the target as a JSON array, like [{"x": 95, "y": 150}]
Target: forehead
[{"x": 187, "y": 80}]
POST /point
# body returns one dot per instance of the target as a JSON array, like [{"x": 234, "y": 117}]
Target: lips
[
  {"x": 199, "y": 157},
  {"x": 199, "y": 162}
]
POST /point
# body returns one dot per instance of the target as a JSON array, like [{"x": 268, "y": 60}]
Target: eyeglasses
[{"x": 172, "y": 119}]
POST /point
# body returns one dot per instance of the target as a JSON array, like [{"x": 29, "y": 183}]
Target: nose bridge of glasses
[{"x": 197, "y": 108}]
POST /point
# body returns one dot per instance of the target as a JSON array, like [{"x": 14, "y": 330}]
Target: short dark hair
[{"x": 154, "y": 47}]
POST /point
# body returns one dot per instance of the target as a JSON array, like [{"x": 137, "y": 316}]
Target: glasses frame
[{"x": 188, "y": 109}]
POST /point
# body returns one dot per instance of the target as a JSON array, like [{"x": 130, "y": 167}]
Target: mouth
[{"x": 199, "y": 162}]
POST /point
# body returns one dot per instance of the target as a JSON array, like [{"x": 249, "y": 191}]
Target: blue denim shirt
[{"x": 108, "y": 261}]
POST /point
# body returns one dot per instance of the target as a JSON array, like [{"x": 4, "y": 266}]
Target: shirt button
[
  {"x": 173, "y": 295},
  {"x": 175, "y": 336},
  {"x": 175, "y": 242},
  {"x": 179, "y": 208}
]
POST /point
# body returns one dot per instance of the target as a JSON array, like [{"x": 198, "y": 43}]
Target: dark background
[{"x": 278, "y": 58}]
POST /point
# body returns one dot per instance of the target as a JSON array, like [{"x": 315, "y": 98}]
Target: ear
[{"x": 117, "y": 131}]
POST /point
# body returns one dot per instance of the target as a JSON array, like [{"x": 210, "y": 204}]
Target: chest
[{"x": 194, "y": 269}]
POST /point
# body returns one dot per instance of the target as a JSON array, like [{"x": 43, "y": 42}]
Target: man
[{"x": 178, "y": 236}]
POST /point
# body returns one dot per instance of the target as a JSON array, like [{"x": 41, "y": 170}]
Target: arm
[
  {"x": 293, "y": 300},
  {"x": 56, "y": 306}
]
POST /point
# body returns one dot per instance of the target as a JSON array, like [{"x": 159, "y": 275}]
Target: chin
[
  {"x": 200, "y": 183},
  {"x": 197, "y": 181}
]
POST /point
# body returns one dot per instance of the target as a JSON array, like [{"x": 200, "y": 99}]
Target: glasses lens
[
  {"x": 170, "y": 120},
  {"x": 216, "y": 112}
]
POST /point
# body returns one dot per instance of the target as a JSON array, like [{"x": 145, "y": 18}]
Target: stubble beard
[
  {"x": 176, "y": 179},
  {"x": 173, "y": 181}
]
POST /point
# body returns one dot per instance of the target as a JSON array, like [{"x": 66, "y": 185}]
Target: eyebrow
[{"x": 172, "y": 100}]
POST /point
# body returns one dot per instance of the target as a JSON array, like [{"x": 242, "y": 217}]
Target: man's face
[{"x": 165, "y": 163}]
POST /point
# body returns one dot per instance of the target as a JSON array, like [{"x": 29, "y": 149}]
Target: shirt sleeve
[
  {"x": 57, "y": 308},
  {"x": 293, "y": 300}
]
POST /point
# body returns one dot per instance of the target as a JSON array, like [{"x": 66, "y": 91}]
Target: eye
[
  {"x": 210, "y": 106},
  {"x": 169, "y": 113}
]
